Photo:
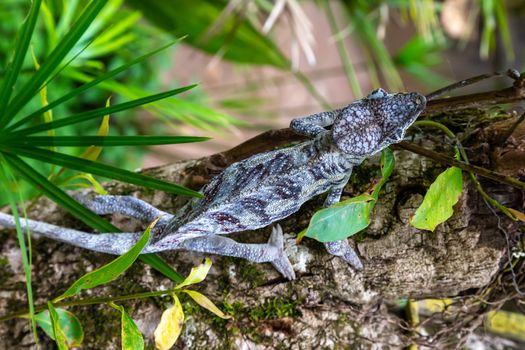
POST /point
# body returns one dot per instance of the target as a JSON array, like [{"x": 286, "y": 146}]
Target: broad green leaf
[
  {"x": 131, "y": 337},
  {"x": 99, "y": 112},
  {"x": 111, "y": 271},
  {"x": 348, "y": 217},
  {"x": 239, "y": 42},
  {"x": 58, "y": 334},
  {"x": 100, "y": 169},
  {"x": 104, "y": 141},
  {"x": 170, "y": 326},
  {"x": 56, "y": 57},
  {"x": 206, "y": 303},
  {"x": 439, "y": 200},
  {"x": 341, "y": 220},
  {"x": 197, "y": 274},
  {"x": 69, "y": 324},
  {"x": 13, "y": 68}
]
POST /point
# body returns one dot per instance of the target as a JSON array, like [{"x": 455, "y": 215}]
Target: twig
[
  {"x": 511, "y": 130},
  {"x": 512, "y": 94},
  {"x": 443, "y": 159},
  {"x": 461, "y": 84}
]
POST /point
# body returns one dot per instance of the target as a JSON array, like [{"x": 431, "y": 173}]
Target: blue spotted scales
[{"x": 262, "y": 189}]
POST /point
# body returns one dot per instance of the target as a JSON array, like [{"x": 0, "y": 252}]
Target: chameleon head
[{"x": 370, "y": 124}]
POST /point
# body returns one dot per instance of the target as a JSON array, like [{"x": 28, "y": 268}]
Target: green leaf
[
  {"x": 170, "y": 326},
  {"x": 58, "y": 334},
  {"x": 100, "y": 169},
  {"x": 86, "y": 86},
  {"x": 108, "y": 272},
  {"x": 197, "y": 274},
  {"x": 131, "y": 337},
  {"x": 105, "y": 141},
  {"x": 348, "y": 217},
  {"x": 206, "y": 303},
  {"x": 99, "y": 112},
  {"x": 68, "y": 322},
  {"x": 13, "y": 68},
  {"x": 240, "y": 42},
  {"x": 7, "y": 178},
  {"x": 56, "y": 57},
  {"x": 437, "y": 205},
  {"x": 341, "y": 220}
]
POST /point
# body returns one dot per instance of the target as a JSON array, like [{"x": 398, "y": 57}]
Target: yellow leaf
[
  {"x": 518, "y": 214},
  {"x": 506, "y": 323},
  {"x": 97, "y": 187},
  {"x": 93, "y": 152},
  {"x": 48, "y": 115},
  {"x": 170, "y": 326},
  {"x": 206, "y": 303},
  {"x": 434, "y": 305},
  {"x": 197, "y": 274}
]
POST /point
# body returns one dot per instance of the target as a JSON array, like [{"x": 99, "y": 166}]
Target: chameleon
[{"x": 260, "y": 190}]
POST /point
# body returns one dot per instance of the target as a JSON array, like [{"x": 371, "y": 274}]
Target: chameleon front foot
[
  {"x": 343, "y": 250},
  {"x": 281, "y": 264}
]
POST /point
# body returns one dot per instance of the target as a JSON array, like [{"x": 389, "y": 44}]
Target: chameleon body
[{"x": 261, "y": 189}]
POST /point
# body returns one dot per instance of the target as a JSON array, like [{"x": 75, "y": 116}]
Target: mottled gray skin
[{"x": 262, "y": 189}]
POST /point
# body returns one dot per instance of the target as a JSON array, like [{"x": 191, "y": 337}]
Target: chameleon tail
[{"x": 111, "y": 243}]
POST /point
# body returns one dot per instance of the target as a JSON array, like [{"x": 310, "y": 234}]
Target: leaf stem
[{"x": 91, "y": 301}]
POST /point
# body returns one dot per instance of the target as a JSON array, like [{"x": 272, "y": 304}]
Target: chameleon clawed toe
[
  {"x": 281, "y": 262},
  {"x": 343, "y": 250}
]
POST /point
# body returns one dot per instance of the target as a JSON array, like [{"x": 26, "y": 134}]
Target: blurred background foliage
[{"x": 247, "y": 33}]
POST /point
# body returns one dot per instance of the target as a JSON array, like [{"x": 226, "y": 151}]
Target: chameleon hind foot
[
  {"x": 343, "y": 250},
  {"x": 272, "y": 251},
  {"x": 281, "y": 264}
]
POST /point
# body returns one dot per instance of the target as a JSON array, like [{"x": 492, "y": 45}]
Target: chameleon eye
[{"x": 378, "y": 93}]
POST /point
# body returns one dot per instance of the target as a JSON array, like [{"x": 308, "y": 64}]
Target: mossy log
[{"x": 329, "y": 305}]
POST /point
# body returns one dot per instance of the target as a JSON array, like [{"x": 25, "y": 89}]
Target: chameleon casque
[{"x": 261, "y": 189}]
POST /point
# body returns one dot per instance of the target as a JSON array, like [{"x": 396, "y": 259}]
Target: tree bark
[{"x": 329, "y": 305}]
